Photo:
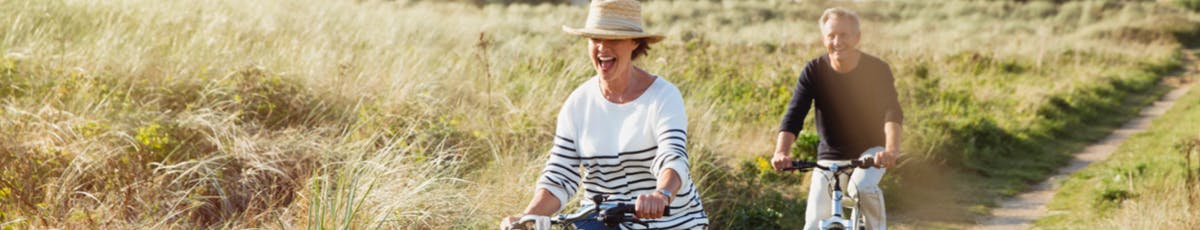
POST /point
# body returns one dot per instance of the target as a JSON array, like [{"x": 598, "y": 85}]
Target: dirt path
[{"x": 1020, "y": 211}]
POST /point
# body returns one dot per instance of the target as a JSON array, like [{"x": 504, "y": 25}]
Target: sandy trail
[{"x": 1019, "y": 212}]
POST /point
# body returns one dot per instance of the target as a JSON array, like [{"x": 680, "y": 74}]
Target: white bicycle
[{"x": 838, "y": 221}]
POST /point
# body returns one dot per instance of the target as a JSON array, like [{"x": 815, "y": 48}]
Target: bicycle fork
[
  {"x": 839, "y": 220},
  {"x": 837, "y": 192}
]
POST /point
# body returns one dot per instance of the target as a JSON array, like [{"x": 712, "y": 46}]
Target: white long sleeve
[{"x": 621, "y": 149}]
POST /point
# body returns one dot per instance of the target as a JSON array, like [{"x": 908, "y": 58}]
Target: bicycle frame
[{"x": 838, "y": 220}]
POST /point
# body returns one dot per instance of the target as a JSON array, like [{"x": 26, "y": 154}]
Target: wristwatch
[{"x": 670, "y": 197}]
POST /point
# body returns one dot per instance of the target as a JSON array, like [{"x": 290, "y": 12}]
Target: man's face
[{"x": 840, "y": 36}]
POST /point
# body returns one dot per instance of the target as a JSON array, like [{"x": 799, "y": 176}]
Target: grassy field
[
  {"x": 1151, "y": 181},
  {"x": 404, "y": 114}
]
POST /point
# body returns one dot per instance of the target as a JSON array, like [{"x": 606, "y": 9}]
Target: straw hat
[{"x": 614, "y": 19}]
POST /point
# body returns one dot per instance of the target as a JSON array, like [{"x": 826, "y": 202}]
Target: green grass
[
  {"x": 1150, "y": 180},
  {"x": 350, "y": 114}
]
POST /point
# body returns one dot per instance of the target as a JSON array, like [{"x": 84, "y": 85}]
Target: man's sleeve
[
  {"x": 893, "y": 113},
  {"x": 802, "y": 98}
]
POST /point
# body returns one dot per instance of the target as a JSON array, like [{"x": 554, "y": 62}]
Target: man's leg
[
  {"x": 864, "y": 186},
  {"x": 818, "y": 199}
]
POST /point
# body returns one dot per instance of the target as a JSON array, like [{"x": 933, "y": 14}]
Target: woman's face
[{"x": 611, "y": 57}]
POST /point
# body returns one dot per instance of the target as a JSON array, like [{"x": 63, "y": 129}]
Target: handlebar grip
[
  {"x": 624, "y": 208},
  {"x": 867, "y": 163},
  {"x": 801, "y": 165}
]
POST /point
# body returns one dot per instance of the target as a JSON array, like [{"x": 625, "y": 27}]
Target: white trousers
[{"x": 863, "y": 186}]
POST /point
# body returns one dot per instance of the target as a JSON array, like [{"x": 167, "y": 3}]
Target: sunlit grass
[
  {"x": 1150, "y": 181},
  {"x": 330, "y": 113}
]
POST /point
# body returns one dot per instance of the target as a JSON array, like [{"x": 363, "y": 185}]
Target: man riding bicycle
[{"x": 855, "y": 97}]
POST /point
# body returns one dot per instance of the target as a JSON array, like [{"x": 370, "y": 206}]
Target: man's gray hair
[{"x": 838, "y": 12}]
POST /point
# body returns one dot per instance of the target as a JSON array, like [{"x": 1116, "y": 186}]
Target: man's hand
[
  {"x": 651, "y": 206},
  {"x": 781, "y": 161},
  {"x": 891, "y": 147},
  {"x": 887, "y": 158}
]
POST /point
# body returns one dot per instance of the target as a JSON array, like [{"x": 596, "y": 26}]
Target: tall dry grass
[{"x": 403, "y": 114}]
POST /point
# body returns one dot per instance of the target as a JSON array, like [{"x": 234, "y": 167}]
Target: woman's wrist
[{"x": 665, "y": 194}]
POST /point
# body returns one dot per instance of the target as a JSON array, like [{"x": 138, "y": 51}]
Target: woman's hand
[
  {"x": 651, "y": 206},
  {"x": 506, "y": 222}
]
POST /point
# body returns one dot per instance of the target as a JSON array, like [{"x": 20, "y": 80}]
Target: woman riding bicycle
[{"x": 626, "y": 128}]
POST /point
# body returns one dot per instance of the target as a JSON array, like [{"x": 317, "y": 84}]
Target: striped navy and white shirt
[{"x": 618, "y": 150}]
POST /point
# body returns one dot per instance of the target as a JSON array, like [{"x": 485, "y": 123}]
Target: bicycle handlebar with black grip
[
  {"x": 626, "y": 208},
  {"x": 612, "y": 217},
  {"x": 617, "y": 215},
  {"x": 609, "y": 214},
  {"x": 803, "y": 164}
]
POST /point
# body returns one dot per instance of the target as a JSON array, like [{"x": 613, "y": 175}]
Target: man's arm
[
  {"x": 793, "y": 119},
  {"x": 891, "y": 149},
  {"x": 783, "y": 148},
  {"x": 894, "y": 120}
]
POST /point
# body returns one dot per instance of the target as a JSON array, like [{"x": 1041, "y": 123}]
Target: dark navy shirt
[{"x": 851, "y": 108}]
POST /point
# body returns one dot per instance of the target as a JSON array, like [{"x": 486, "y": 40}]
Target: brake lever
[{"x": 597, "y": 200}]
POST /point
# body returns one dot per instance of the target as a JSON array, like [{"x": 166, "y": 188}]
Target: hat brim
[{"x": 611, "y": 34}]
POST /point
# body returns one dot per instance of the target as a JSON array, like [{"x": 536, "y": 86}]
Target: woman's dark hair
[{"x": 643, "y": 46}]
